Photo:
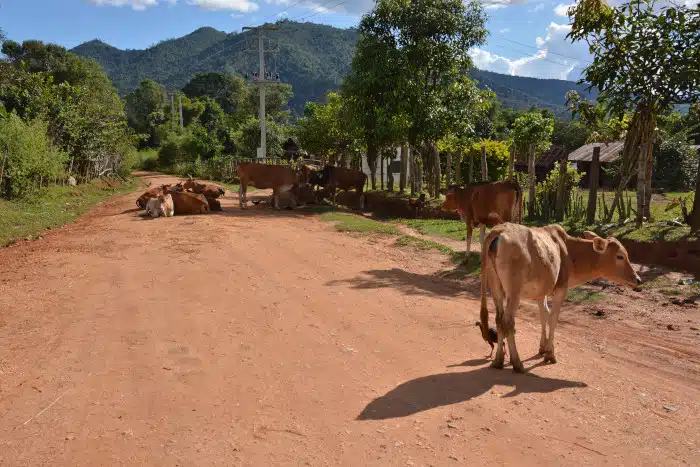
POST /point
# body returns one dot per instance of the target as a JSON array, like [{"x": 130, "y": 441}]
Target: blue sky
[{"x": 527, "y": 36}]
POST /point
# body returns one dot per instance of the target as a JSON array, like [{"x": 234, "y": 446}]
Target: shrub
[
  {"x": 546, "y": 192},
  {"x": 32, "y": 160},
  {"x": 497, "y": 156},
  {"x": 675, "y": 164}
]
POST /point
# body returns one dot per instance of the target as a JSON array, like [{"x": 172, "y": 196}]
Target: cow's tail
[{"x": 488, "y": 255}]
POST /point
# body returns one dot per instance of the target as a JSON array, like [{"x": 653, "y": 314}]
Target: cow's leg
[
  {"x": 557, "y": 301},
  {"x": 509, "y": 329},
  {"x": 242, "y": 194},
  {"x": 498, "y": 297},
  {"x": 276, "y": 198},
  {"x": 544, "y": 317}
]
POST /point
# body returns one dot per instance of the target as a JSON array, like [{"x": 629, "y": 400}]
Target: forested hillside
[{"x": 313, "y": 58}]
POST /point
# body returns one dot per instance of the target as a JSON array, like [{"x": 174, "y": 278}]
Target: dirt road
[{"x": 264, "y": 338}]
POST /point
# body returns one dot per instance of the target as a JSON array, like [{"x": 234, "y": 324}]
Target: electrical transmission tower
[{"x": 262, "y": 78}]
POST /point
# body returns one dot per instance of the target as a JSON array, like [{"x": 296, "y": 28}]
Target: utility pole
[
  {"x": 182, "y": 121},
  {"x": 172, "y": 110},
  {"x": 261, "y": 80}
]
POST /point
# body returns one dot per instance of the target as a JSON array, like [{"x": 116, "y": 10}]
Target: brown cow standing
[
  {"x": 532, "y": 263},
  {"x": 485, "y": 203},
  {"x": 332, "y": 178},
  {"x": 264, "y": 176}
]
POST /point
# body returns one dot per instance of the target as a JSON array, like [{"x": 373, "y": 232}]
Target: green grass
[
  {"x": 409, "y": 241},
  {"x": 358, "y": 224},
  {"x": 454, "y": 230},
  {"x": 52, "y": 207},
  {"x": 579, "y": 296}
]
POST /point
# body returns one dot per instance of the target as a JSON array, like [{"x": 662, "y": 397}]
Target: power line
[
  {"x": 286, "y": 9},
  {"x": 321, "y": 11},
  {"x": 539, "y": 58},
  {"x": 537, "y": 48},
  {"x": 314, "y": 9}
]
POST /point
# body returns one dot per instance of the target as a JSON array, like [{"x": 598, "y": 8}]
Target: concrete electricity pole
[
  {"x": 261, "y": 80},
  {"x": 182, "y": 122}
]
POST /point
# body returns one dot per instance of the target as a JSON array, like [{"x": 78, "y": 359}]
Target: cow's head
[
  {"x": 188, "y": 184},
  {"x": 613, "y": 261},
  {"x": 450, "y": 203},
  {"x": 177, "y": 187}
]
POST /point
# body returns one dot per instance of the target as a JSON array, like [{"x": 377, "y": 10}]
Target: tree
[
  {"x": 145, "y": 109},
  {"x": 427, "y": 43},
  {"x": 644, "y": 59},
  {"x": 532, "y": 134},
  {"x": 230, "y": 92},
  {"x": 247, "y": 138},
  {"x": 327, "y": 130}
]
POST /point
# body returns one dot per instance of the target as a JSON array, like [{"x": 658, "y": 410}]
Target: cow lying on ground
[
  {"x": 148, "y": 194},
  {"x": 332, "y": 178},
  {"x": 188, "y": 203},
  {"x": 161, "y": 205},
  {"x": 209, "y": 190},
  {"x": 214, "y": 204},
  {"x": 264, "y": 176},
  {"x": 533, "y": 263},
  {"x": 485, "y": 203}
]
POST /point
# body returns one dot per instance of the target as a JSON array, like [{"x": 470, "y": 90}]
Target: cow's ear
[
  {"x": 599, "y": 244},
  {"x": 588, "y": 235}
]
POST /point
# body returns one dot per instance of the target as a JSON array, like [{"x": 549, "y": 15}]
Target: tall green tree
[
  {"x": 532, "y": 135},
  {"x": 645, "y": 57},
  {"x": 427, "y": 45},
  {"x": 145, "y": 109}
]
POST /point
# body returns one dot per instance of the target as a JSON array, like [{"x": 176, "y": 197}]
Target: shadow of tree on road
[
  {"x": 407, "y": 282},
  {"x": 429, "y": 392}
]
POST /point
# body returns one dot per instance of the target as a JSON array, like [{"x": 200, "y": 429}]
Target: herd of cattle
[
  {"x": 196, "y": 197},
  {"x": 517, "y": 262}
]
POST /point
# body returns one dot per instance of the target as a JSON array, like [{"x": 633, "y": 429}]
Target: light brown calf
[
  {"x": 264, "y": 176},
  {"x": 519, "y": 262},
  {"x": 148, "y": 194},
  {"x": 485, "y": 203}
]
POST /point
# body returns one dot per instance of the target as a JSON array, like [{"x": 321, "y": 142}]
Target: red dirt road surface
[{"x": 265, "y": 338}]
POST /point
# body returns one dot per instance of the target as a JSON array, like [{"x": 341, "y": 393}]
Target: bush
[
  {"x": 497, "y": 156},
  {"x": 32, "y": 161},
  {"x": 546, "y": 192},
  {"x": 675, "y": 164}
]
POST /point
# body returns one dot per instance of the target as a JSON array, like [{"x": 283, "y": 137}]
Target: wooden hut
[{"x": 609, "y": 152}]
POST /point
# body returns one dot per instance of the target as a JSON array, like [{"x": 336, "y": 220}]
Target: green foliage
[
  {"x": 497, "y": 157},
  {"x": 675, "y": 164},
  {"x": 546, "y": 193},
  {"x": 228, "y": 91},
  {"x": 533, "y": 131},
  {"x": 358, "y": 224},
  {"x": 247, "y": 138},
  {"x": 30, "y": 160},
  {"x": 570, "y": 134},
  {"x": 643, "y": 53},
  {"x": 145, "y": 109},
  {"x": 327, "y": 130},
  {"x": 409, "y": 241}
]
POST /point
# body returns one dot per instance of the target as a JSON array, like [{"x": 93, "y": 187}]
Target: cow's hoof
[
  {"x": 549, "y": 357},
  {"x": 497, "y": 365},
  {"x": 543, "y": 350},
  {"x": 518, "y": 367}
]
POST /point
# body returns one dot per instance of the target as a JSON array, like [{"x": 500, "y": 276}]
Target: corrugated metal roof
[
  {"x": 608, "y": 152},
  {"x": 545, "y": 159}
]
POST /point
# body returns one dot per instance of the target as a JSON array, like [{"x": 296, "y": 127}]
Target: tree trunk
[
  {"x": 647, "y": 188},
  {"x": 389, "y": 176},
  {"x": 641, "y": 185},
  {"x": 448, "y": 168},
  {"x": 437, "y": 183},
  {"x": 640, "y": 131},
  {"x": 372, "y": 162},
  {"x": 511, "y": 163},
  {"x": 418, "y": 160},
  {"x": 593, "y": 186},
  {"x": 695, "y": 214},
  {"x": 404, "y": 166},
  {"x": 532, "y": 180},
  {"x": 458, "y": 168},
  {"x": 381, "y": 171},
  {"x": 561, "y": 189}
]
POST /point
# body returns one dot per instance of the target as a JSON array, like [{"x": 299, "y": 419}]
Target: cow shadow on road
[
  {"x": 409, "y": 283},
  {"x": 429, "y": 392}
]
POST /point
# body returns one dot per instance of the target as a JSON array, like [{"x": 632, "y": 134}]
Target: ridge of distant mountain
[{"x": 313, "y": 58}]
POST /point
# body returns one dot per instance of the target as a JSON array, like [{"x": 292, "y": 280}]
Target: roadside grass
[
  {"x": 358, "y": 224},
  {"x": 53, "y": 207},
  {"x": 579, "y": 296},
  {"x": 409, "y": 241},
  {"x": 454, "y": 230}
]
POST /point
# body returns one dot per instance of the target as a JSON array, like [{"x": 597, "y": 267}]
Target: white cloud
[
  {"x": 351, "y": 7},
  {"x": 562, "y": 9},
  {"x": 538, "y": 7},
  {"x": 554, "y": 57},
  {"x": 244, "y": 6},
  {"x": 504, "y": 30},
  {"x": 138, "y": 5}
]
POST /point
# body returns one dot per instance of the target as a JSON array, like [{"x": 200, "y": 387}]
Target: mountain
[{"x": 313, "y": 58}]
